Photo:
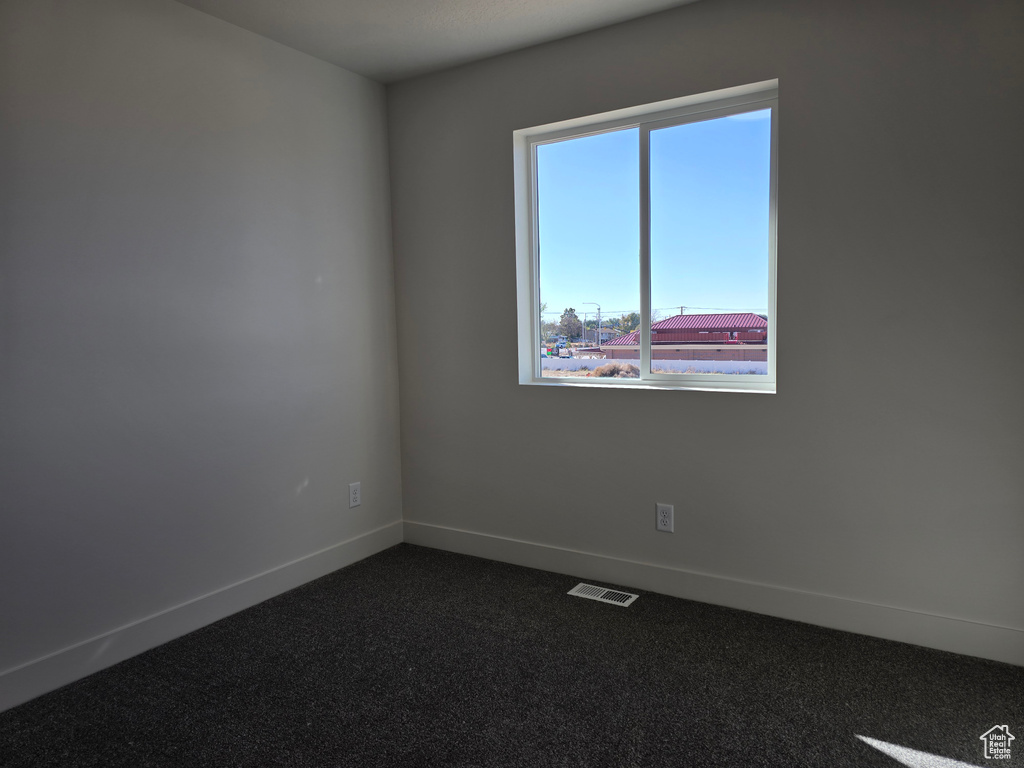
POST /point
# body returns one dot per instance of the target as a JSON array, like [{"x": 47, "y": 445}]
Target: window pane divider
[{"x": 645, "y": 252}]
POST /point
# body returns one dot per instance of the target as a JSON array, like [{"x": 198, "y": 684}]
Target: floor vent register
[{"x": 602, "y": 594}]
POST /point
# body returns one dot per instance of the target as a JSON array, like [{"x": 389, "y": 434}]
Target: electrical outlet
[
  {"x": 665, "y": 518},
  {"x": 355, "y": 495}
]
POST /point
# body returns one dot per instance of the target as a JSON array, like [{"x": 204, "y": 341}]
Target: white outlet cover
[
  {"x": 664, "y": 518},
  {"x": 355, "y": 495}
]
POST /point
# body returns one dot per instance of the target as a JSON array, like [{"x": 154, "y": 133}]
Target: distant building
[
  {"x": 737, "y": 336},
  {"x": 606, "y": 334}
]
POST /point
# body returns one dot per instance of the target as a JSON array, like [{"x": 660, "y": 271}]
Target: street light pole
[{"x": 597, "y": 331}]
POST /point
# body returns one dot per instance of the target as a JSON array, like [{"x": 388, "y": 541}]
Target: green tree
[
  {"x": 629, "y": 322},
  {"x": 570, "y": 325}
]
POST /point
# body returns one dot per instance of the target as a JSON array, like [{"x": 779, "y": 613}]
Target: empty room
[{"x": 567, "y": 383}]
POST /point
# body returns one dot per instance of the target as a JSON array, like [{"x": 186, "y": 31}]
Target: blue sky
[{"x": 709, "y": 218}]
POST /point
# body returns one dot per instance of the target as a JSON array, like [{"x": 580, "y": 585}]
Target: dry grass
[
  {"x": 563, "y": 374},
  {"x": 622, "y": 371},
  {"x": 752, "y": 371},
  {"x": 609, "y": 370},
  {"x": 618, "y": 371}
]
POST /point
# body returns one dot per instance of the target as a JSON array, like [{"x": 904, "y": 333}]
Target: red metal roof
[
  {"x": 629, "y": 338},
  {"x": 744, "y": 321}
]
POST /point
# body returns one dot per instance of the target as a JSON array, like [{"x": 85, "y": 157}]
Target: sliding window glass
[
  {"x": 588, "y": 246},
  {"x": 710, "y": 213}
]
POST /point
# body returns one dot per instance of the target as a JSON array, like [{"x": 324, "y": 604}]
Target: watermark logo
[{"x": 997, "y": 742}]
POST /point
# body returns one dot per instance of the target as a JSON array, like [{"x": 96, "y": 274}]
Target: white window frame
[{"x": 648, "y": 117}]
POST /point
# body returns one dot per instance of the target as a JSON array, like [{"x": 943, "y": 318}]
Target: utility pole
[{"x": 597, "y": 331}]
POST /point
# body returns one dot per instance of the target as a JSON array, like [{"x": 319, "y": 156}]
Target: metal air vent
[{"x": 602, "y": 594}]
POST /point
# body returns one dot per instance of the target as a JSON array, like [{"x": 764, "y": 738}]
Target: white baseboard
[
  {"x": 944, "y": 633},
  {"x": 38, "y": 676}
]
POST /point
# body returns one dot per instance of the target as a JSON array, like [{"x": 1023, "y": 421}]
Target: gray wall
[
  {"x": 196, "y": 315},
  {"x": 198, "y": 343},
  {"x": 880, "y": 473}
]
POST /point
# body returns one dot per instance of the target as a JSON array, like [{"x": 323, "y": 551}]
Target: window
[{"x": 646, "y": 238}]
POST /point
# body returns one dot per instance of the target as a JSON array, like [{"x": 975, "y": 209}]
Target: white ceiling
[{"x": 389, "y": 40}]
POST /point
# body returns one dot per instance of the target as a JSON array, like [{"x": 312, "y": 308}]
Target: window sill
[{"x": 718, "y": 385}]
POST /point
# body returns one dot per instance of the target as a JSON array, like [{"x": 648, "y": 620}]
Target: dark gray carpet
[{"x": 417, "y": 657}]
